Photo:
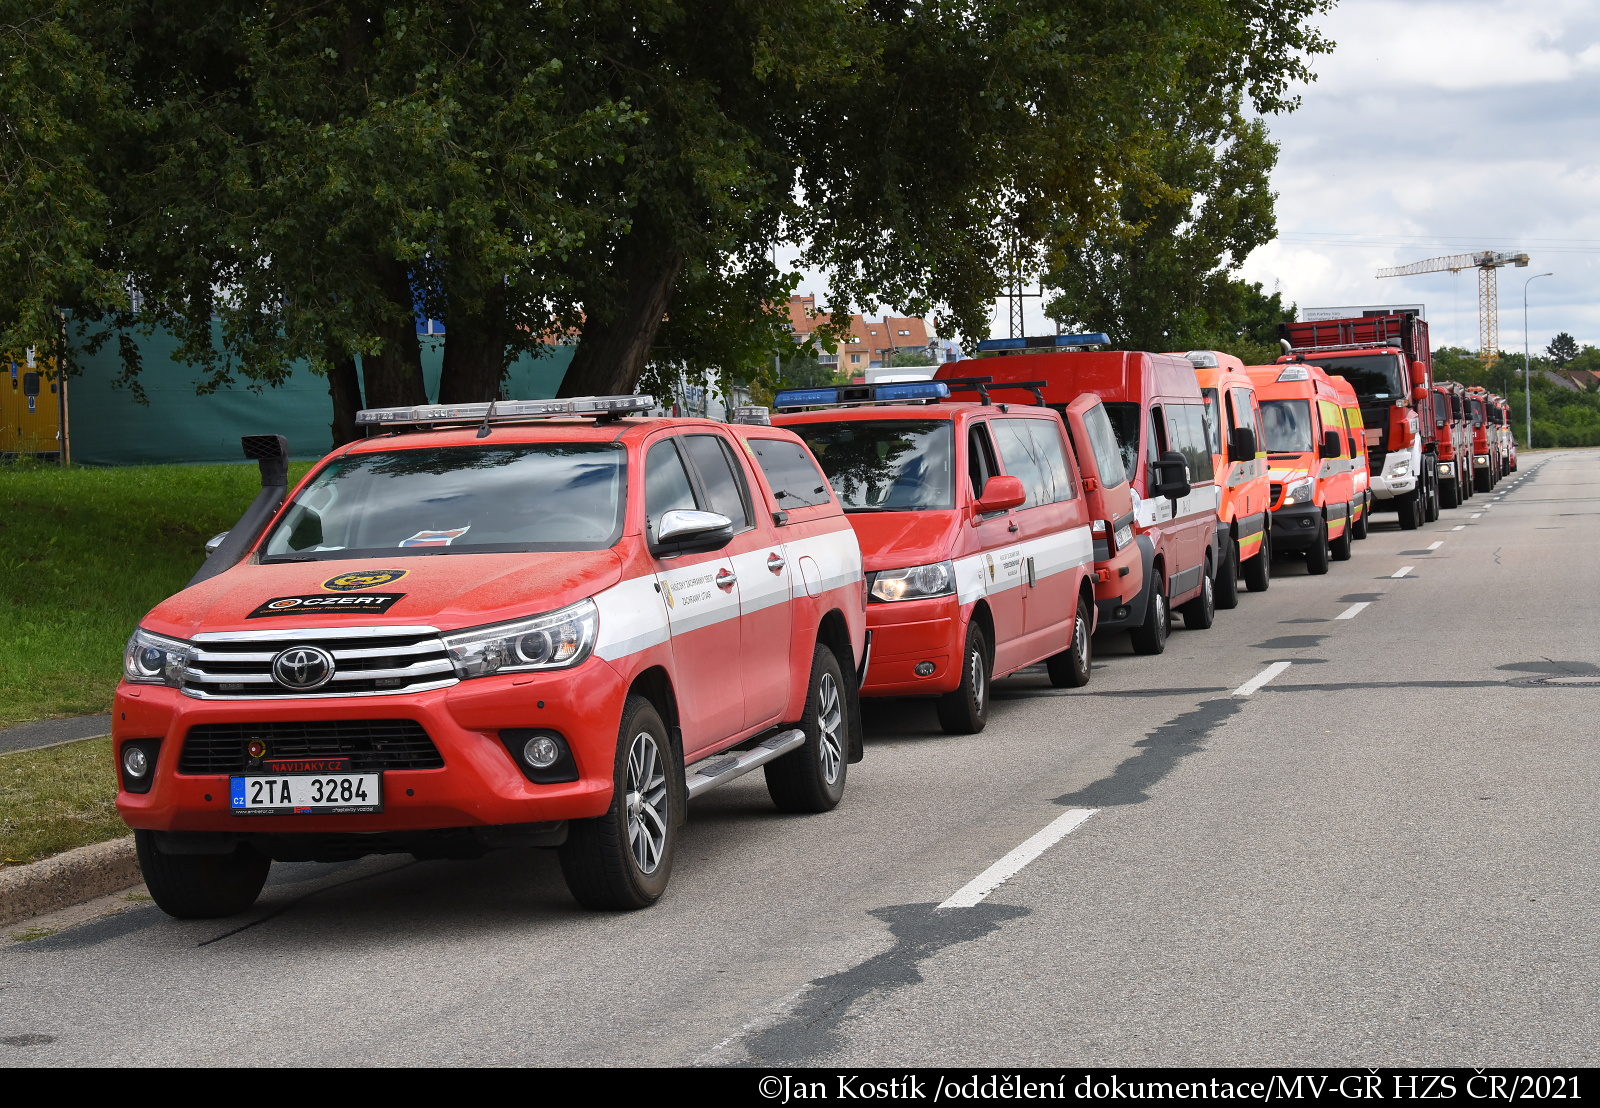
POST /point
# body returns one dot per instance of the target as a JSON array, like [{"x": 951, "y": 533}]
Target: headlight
[
  {"x": 155, "y": 659},
  {"x": 1400, "y": 470},
  {"x": 553, "y": 641},
  {"x": 1299, "y": 493},
  {"x": 916, "y": 583}
]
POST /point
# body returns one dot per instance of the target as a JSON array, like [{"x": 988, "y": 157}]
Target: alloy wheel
[
  {"x": 830, "y": 721},
  {"x": 647, "y": 803}
]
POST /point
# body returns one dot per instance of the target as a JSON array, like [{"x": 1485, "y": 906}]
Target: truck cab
[
  {"x": 1453, "y": 424},
  {"x": 1308, "y": 445},
  {"x": 975, "y": 530},
  {"x": 1485, "y": 439},
  {"x": 1240, "y": 463},
  {"x": 535, "y": 623},
  {"x": 1160, "y": 419}
]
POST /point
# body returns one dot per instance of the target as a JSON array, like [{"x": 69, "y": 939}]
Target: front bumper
[
  {"x": 911, "y": 633},
  {"x": 1296, "y": 528},
  {"x": 478, "y": 786},
  {"x": 1388, "y": 485}
]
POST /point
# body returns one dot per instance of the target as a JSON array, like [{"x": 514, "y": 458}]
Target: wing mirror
[
  {"x": 1172, "y": 476},
  {"x": 1330, "y": 445},
  {"x": 1001, "y": 494},
  {"x": 1241, "y": 445},
  {"x": 682, "y": 531},
  {"x": 213, "y": 542}
]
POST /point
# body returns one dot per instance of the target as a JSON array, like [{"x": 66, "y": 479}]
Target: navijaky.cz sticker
[{"x": 436, "y": 538}]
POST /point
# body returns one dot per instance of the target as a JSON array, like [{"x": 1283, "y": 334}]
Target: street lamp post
[{"x": 1527, "y": 362}]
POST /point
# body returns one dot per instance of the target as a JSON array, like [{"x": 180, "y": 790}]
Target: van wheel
[
  {"x": 1071, "y": 668},
  {"x": 1317, "y": 554},
  {"x": 623, "y": 859},
  {"x": 966, "y": 710},
  {"x": 1258, "y": 570},
  {"x": 811, "y": 778},
  {"x": 1201, "y": 612},
  {"x": 1339, "y": 549},
  {"x": 1150, "y": 637},
  {"x": 1358, "y": 529},
  {"x": 201, "y": 886},
  {"x": 1228, "y": 577},
  {"x": 1410, "y": 511}
]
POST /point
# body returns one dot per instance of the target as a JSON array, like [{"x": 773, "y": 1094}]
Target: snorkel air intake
[{"x": 271, "y": 452}]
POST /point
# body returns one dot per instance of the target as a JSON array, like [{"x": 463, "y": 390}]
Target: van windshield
[
  {"x": 885, "y": 465},
  {"x": 1125, "y": 422},
  {"x": 1287, "y": 426},
  {"x": 458, "y": 500},
  {"x": 1375, "y": 377}
]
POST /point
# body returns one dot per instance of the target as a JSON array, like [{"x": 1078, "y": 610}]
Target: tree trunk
[
  {"x": 344, "y": 387},
  {"x": 474, "y": 354},
  {"x": 617, "y": 337},
  {"x": 394, "y": 374}
]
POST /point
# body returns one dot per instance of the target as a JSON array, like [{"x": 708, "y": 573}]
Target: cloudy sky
[{"x": 1441, "y": 127}]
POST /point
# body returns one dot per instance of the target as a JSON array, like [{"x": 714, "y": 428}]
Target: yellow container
[{"x": 30, "y": 406}]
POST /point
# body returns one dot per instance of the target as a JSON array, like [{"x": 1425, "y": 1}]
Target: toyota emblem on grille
[{"x": 302, "y": 668}]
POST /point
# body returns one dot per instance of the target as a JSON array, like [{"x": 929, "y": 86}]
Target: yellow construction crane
[{"x": 1485, "y": 262}]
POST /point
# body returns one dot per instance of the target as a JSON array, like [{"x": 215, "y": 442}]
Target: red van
[
  {"x": 531, "y": 623},
  {"x": 1160, "y": 421},
  {"x": 975, "y": 537}
]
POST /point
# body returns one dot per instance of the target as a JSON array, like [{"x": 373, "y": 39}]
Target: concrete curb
[{"x": 67, "y": 879}]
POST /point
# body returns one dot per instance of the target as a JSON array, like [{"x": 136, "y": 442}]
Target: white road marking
[
  {"x": 1475, "y": 515},
  {"x": 1403, "y": 570},
  {"x": 1008, "y": 867},
  {"x": 1459, "y": 527},
  {"x": 1437, "y": 545},
  {"x": 1352, "y": 611},
  {"x": 1260, "y": 679}
]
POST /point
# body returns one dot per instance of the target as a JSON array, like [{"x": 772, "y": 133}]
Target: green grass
[
  {"x": 84, "y": 554},
  {"x": 56, "y": 799}
]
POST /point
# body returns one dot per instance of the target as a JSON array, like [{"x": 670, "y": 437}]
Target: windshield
[
  {"x": 1125, "y": 421},
  {"x": 885, "y": 465},
  {"x": 1287, "y": 425},
  {"x": 1375, "y": 377},
  {"x": 458, "y": 499}
]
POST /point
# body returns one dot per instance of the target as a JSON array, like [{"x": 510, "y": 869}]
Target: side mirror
[
  {"x": 213, "y": 542},
  {"x": 1241, "y": 445},
  {"x": 1419, "y": 374},
  {"x": 1172, "y": 476},
  {"x": 1330, "y": 445},
  {"x": 1001, "y": 494},
  {"x": 1419, "y": 393},
  {"x": 682, "y": 531}
]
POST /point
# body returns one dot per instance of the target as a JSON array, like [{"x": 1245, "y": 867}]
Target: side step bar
[{"x": 706, "y": 776}]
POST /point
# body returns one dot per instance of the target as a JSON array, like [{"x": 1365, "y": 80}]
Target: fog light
[
  {"x": 924, "y": 669},
  {"x": 1305, "y": 523},
  {"x": 135, "y": 761},
  {"x": 541, "y": 752},
  {"x": 1122, "y": 613}
]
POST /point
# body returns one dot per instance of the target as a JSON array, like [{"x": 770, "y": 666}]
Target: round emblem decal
[
  {"x": 363, "y": 579},
  {"x": 302, "y": 668}
]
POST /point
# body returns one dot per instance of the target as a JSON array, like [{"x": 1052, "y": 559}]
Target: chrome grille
[{"x": 368, "y": 661}]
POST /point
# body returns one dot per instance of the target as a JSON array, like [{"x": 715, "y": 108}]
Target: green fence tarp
[{"x": 108, "y": 427}]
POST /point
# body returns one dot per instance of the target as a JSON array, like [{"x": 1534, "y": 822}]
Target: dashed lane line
[
  {"x": 1260, "y": 679},
  {"x": 973, "y": 892},
  {"x": 1475, "y": 515},
  {"x": 1402, "y": 571},
  {"x": 1436, "y": 546},
  {"x": 1459, "y": 527},
  {"x": 1353, "y": 611}
]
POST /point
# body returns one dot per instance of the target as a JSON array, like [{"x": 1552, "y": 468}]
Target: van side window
[
  {"x": 721, "y": 477},
  {"x": 1331, "y": 420},
  {"x": 1213, "y": 421},
  {"x": 666, "y": 484},
  {"x": 1246, "y": 412},
  {"x": 1103, "y": 442},
  {"x": 1031, "y": 450},
  {"x": 980, "y": 458},
  {"x": 1190, "y": 437},
  {"x": 792, "y": 472}
]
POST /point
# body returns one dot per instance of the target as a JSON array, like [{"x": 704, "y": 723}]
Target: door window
[
  {"x": 1189, "y": 436},
  {"x": 1103, "y": 442},
  {"x": 1213, "y": 421},
  {"x": 1245, "y": 412},
  {"x": 666, "y": 484},
  {"x": 980, "y": 458},
  {"x": 1032, "y": 451},
  {"x": 720, "y": 477},
  {"x": 790, "y": 470}
]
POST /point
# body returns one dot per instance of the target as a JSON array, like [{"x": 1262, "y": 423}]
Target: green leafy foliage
[{"x": 1562, "y": 349}]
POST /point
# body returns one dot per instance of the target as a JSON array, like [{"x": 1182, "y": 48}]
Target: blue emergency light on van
[
  {"x": 1044, "y": 342},
  {"x": 861, "y": 394}
]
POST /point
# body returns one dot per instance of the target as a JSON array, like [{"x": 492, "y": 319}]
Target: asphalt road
[{"x": 1384, "y": 855}]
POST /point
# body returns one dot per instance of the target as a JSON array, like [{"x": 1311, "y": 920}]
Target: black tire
[
  {"x": 965, "y": 711},
  {"x": 1358, "y": 529},
  {"x": 1150, "y": 637},
  {"x": 1480, "y": 480},
  {"x": 1258, "y": 570},
  {"x": 1410, "y": 511},
  {"x": 201, "y": 886},
  {"x": 1430, "y": 503},
  {"x": 1228, "y": 576},
  {"x": 1449, "y": 494},
  {"x": 811, "y": 778},
  {"x": 1071, "y": 668},
  {"x": 1201, "y": 612},
  {"x": 1339, "y": 548},
  {"x": 622, "y": 860},
  {"x": 1318, "y": 554}
]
